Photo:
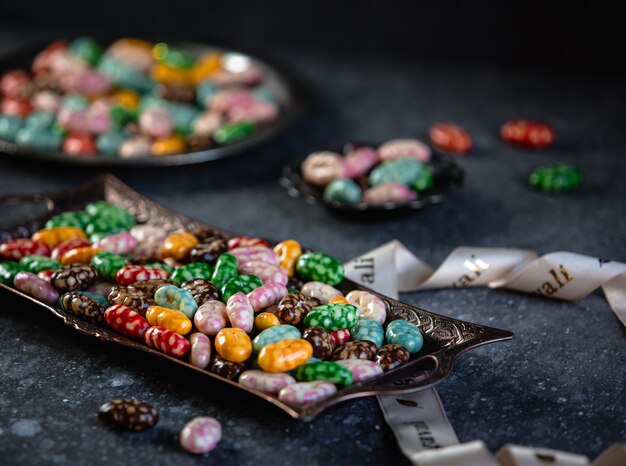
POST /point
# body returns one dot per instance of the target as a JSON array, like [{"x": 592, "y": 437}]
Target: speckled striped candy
[
  {"x": 266, "y": 382},
  {"x": 306, "y": 393},
  {"x": 201, "y": 435},
  {"x": 361, "y": 369},
  {"x": 268, "y": 273},
  {"x": 36, "y": 287},
  {"x": 149, "y": 240},
  {"x": 266, "y": 295},
  {"x": 137, "y": 273},
  {"x": 332, "y": 316},
  {"x": 255, "y": 253},
  {"x": 180, "y": 299},
  {"x": 124, "y": 320},
  {"x": 200, "y": 350},
  {"x": 67, "y": 245},
  {"x": 320, "y": 267},
  {"x": 120, "y": 243},
  {"x": 321, "y": 291},
  {"x": 15, "y": 249},
  {"x": 166, "y": 341},
  {"x": 211, "y": 317},
  {"x": 240, "y": 312},
  {"x": 370, "y": 306}
]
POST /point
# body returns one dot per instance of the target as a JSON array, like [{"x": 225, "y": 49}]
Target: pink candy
[
  {"x": 397, "y": 148},
  {"x": 240, "y": 312},
  {"x": 359, "y": 162},
  {"x": 211, "y": 317},
  {"x": 266, "y": 382},
  {"x": 268, "y": 273},
  {"x": 36, "y": 287},
  {"x": 266, "y": 295},
  {"x": 226, "y": 99},
  {"x": 120, "y": 243},
  {"x": 201, "y": 435},
  {"x": 200, "y": 350},
  {"x": 389, "y": 193},
  {"x": 156, "y": 123},
  {"x": 306, "y": 393},
  {"x": 256, "y": 111},
  {"x": 361, "y": 369},
  {"x": 207, "y": 123},
  {"x": 370, "y": 306},
  {"x": 321, "y": 291},
  {"x": 255, "y": 253}
]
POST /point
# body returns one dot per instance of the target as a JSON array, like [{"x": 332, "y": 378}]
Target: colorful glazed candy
[
  {"x": 405, "y": 334},
  {"x": 321, "y": 341},
  {"x": 294, "y": 307},
  {"x": 201, "y": 435},
  {"x": 36, "y": 287},
  {"x": 82, "y": 305},
  {"x": 370, "y": 306},
  {"x": 528, "y": 133},
  {"x": 233, "y": 344},
  {"x": 211, "y": 317},
  {"x": 274, "y": 335},
  {"x": 391, "y": 356},
  {"x": 325, "y": 371},
  {"x": 333, "y": 316},
  {"x": 200, "y": 352},
  {"x": 130, "y": 274},
  {"x": 132, "y": 415},
  {"x": 451, "y": 138},
  {"x": 168, "y": 318},
  {"x": 73, "y": 277},
  {"x": 361, "y": 369},
  {"x": 240, "y": 312},
  {"x": 268, "y": 273},
  {"x": 266, "y": 295},
  {"x": 124, "y": 320},
  {"x": 265, "y": 320},
  {"x": 16, "y": 249},
  {"x": 285, "y": 355},
  {"x": 266, "y": 382},
  {"x": 306, "y": 393},
  {"x": 288, "y": 252},
  {"x": 320, "y": 267},
  {"x": 556, "y": 178},
  {"x": 369, "y": 330},
  {"x": 320, "y": 291},
  {"x": 180, "y": 299},
  {"x": 167, "y": 341}
]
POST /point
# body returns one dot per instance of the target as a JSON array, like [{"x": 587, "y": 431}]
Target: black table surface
[{"x": 560, "y": 383}]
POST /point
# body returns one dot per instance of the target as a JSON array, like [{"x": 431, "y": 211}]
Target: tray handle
[{"x": 27, "y": 226}]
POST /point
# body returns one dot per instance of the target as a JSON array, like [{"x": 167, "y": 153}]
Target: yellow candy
[
  {"x": 168, "y": 75},
  {"x": 55, "y": 236},
  {"x": 233, "y": 344},
  {"x": 265, "y": 320},
  {"x": 82, "y": 255},
  {"x": 168, "y": 145},
  {"x": 171, "y": 319},
  {"x": 126, "y": 98},
  {"x": 288, "y": 252},
  {"x": 338, "y": 300},
  {"x": 177, "y": 245},
  {"x": 285, "y": 355},
  {"x": 205, "y": 67}
]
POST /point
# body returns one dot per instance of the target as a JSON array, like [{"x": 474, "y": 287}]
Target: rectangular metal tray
[{"x": 445, "y": 338}]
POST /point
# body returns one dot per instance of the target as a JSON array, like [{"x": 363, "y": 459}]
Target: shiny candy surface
[
  {"x": 321, "y": 341},
  {"x": 317, "y": 266},
  {"x": 225, "y": 269},
  {"x": 369, "y": 330},
  {"x": 386, "y": 193},
  {"x": 285, "y": 355},
  {"x": 265, "y": 320},
  {"x": 82, "y": 305},
  {"x": 360, "y": 349},
  {"x": 338, "y": 300},
  {"x": 130, "y": 274},
  {"x": 266, "y": 295},
  {"x": 233, "y": 344},
  {"x": 136, "y": 301},
  {"x": 227, "y": 369},
  {"x": 167, "y": 342},
  {"x": 240, "y": 312},
  {"x": 391, "y": 356},
  {"x": 320, "y": 291},
  {"x": 342, "y": 190},
  {"x": 403, "y": 170},
  {"x": 361, "y": 369},
  {"x": 266, "y": 382},
  {"x": 268, "y": 273},
  {"x": 107, "y": 264},
  {"x": 320, "y": 168},
  {"x": 73, "y": 277},
  {"x": 406, "y": 334},
  {"x": 55, "y": 236},
  {"x": 201, "y": 435},
  {"x": 8, "y": 271},
  {"x": 15, "y": 249},
  {"x": 59, "y": 251},
  {"x": 306, "y": 393},
  {"x": 200, "y": 350},
  {"x": 528, "y": 133},
  {"x": 325, "y": 371},
  {"x": 450, "y": 138},
  {"x": 168, "y": 318},
  {"x": 208, "y": 251},
  {"x": 294, "y": 307},
  {"x": 37, "y": 263},
  {"x": 397, "y": 148},
  {"x": 245, "y": 241},
  {"x": 191, "y": 271},
  {"x": 240, "y": 284},
  {"x": 359, "y": 161},
  {"x": 125, "y": 321},
  {"x": 120, "y": 243},
  {"x": 332, "y": 316},
  {"x": 341, "y": 336},
  {"x": 211, "y": 317},
  {"x": 82, "y": 255},
  {"x": 370, "y": 306},
  {"x": 254, "y": 253},
  {"x": 556, "y": 178},
  {"x": 180, "y": 299},
  {"x": 288, "y": 252},
  {"x": 129, "y": 415},
  {"x": 178, "y": 245},
  {"x": 36, "y": 287},
  {"x": 274, "y": 335},
  {"x": 201, "y": 290}
]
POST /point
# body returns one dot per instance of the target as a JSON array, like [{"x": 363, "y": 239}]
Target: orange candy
[
  {"x": 338, "y": 300},
  {"x": 285, "y": 355},
  {"x": 171, "y": 319},
  {"x": 55, "y": 236},
  {"x": 288, "y": 252},
  {"x": 169, "y": 145},
  {"x": 177, "y": 245},
  {"x": 450, "y": 138},
  {"x": 79, "y": 255},
  {"x": 265, "y": 320},
  {"x": 233, "y": 344}
]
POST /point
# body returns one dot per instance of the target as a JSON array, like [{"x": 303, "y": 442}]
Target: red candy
[
  {"x": 16, "y": 249},
  {"x": 340, "y": 336},
  {"x": 79, "y": 144},
  {"x": 527, "y": 133},
  {"x": 450, "y": 138},
  {"x": 166, "y": 341},
  {"x": 44, "y": 58},
  {"x": 14, "y": 83},
  {"x": 46, "y": 275},
  {"x": 130, "y": 274},
  {"x": 245, "y": 241},
  {"x": 124, "y": 320},
  {"x": 68, "y": 245},
  {"x": 15, "y": 107}
]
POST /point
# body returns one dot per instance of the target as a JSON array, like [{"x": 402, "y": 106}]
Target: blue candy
[
  {"x": 180, "y": 299},
  {"x": 370, "y": 330},
  {"x": 404, "y": 333},
  {"x": 274, "y": 335}
]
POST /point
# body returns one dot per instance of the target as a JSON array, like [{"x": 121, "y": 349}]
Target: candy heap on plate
[
  {"x": 132, "y": 99},
  {"x": 269, "y": 318},
  {"x": 394, "y": 173}
]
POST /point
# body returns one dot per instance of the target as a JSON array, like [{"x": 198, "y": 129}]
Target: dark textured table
[{"x": 560, "y": 383}]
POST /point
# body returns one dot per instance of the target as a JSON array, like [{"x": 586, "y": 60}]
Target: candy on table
[
  {"x": 46, "y": 100},
  {"x": 130, "y": 274},
  {"x": 167, "y": 341},
  {"x": 425, "y": 180},
  {"x": 156, "y": 123},
  {"x": 265, "y": 320},
  {"x": 36, "y": 287},
  {"x": 320, "y": 168},
  {"x": 78, "y": 219},
  {"x": 101, "y": 288},
  {"x": 341, "y": 336},
  {"x": 15, "y": 107},
  {"x": 233, "y": 344},
  {"x": 306, "y": 393},
  {"x": 147, "y": 288},
  {"x": 10, "y": 126},
  {"x": 284, "y": 355},
  {"x": 266, "y": 295},
  {"x": 44, "y": 275},
  {"x": 240, "y": 284},
  {"x": 326, "y": 371},
  {"x": 36, "y": 263},
  {"x": 226, "y": 268},
  {"x": 402, "y": 170},
  {"x": 14, "y": 250},
  {"x": 170, "y": 319},
  {"x": 97, "y": 297},
  {"x": 391, "y": 356},
  {"x": 8, "y": 271},
  {"x": 389, "y": 193},
  {"x": 227, "y": 369},
  {"x": 265, "y": 382},
  {"x": 125, "y": 321},
  {"x": 268, "y": 273},
  {"x": 225, "y": 99},
  {"x": 200, "y": 353},
  {"x": 320, "y": 291},
  {"x": 191, "y": 271},
  {"x": 202, "y": 290},
  {"x": 556, "y": 178},
  {"x": 294, "y": 307},
  {"x": 255, "y": 111},
  {"x": 368, "y": 330},
  {"x": 179, "y": 299},
  {"x": 107, "y": 264},
  {"x": 451, "y": 138},
  {"x": 132, "y": 415},
  {"x": 240, "y": 312},
  {"x": 528, "y": 133},
  {"x": 321, "y": 341},
  {"x": 406, "y": 334},
  {"x": 201, "y": 435},
  {"x": 288, "y": 252},
  {"x": 333, "y": 316},
  {"x": 342, "y": 190},
  {"x": 83, "y": 255},
  {"x": 211, "y": 317},
  {"x": 361, "y": 369},
  {"x": 82, "y": 305},
  {"x": 73, "y": 277},
  {"x": 208, "y": 251},
  {"x": 370, "y": 306},
  {"x": 254, "y": 253},
  {"x": 397, "y": 148},
  {"x": 274, "y": 335},
  {"x": 360, "y": 349}
]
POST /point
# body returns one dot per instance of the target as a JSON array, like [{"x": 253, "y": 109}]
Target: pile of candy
[
  {"x": 269, "y": 318},
  {"x": 133, "y": 99}
]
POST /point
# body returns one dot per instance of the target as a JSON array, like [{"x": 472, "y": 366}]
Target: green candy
[
  {"x": 95, "y": 237},
  {"x": 173, "y": 57},
  {"x": 240, "y": 284},
  {"x": 204, "y": 92},
  {"x": 190, "y": 271},
  {"x": 226, "y": 268},
  {"x": 319, "y": 267},
  {"x": 86, "y": 49},
  {"x": 161, "y": 265},
  {"x": 107, "y": 218},
  {"x": 403, "y": 170},
  {"x": 332, "y": 317},
  {"x": 425, "y": 179},
  {"x": 107, "y": 264},
  {"x": 77, "y": 219},
  {"x": 342, "y": 190},
  {"x": 556, "y": 178},
  {"x": 369, "y": 330},
  {"x": 326, "y": 371},
  {"x": 121, "y": 115},
  {"x": 8, "y": 271},
  {"x": 234, "y": 132},
  {"x": 36, "y": 263},
  {"x": 10, "y": 126},
  {"x": 183, "y": 115}
]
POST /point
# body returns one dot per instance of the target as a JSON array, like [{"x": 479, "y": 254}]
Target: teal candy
[
  {"x": 9, "y": 127},
  {"x": 74, "y": 102},
  {"x": 38, "y": 139},
  {"x": 319, "y": 267},
  {"x": 124, "y": 76},
  {"x": 274, "y": 335},
  {"x": 370, "y": 330},
  {"x": 109, "y": 143},
  {"x": 36, "y": 263},
  {"x": 240, "y": 284},
  {"x": 264, "y": 94},
  {"x": 403, "y": 170},
  {"x": 40, "y": 119},
  {"x": 205, "y": 92},
  {"x": 183, "y": 115},
  {"x": 190, "y": 271},
  {"x": 404, "y": 333},
  {"x": 180, "y": 299},
  {"x": 342, "y": 190},
  {"x": 86, "y": 49},
  {"x": 8, "y": 271},
  {"x": 332, "y": 317}
]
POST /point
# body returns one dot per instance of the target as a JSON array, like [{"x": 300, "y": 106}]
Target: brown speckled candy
[
  {"x": 197, "y": 142},
  {"x": 178, "y": 92},
  {"x": 391, "y": 356},
  {"x": 294, "y": 307},
  {"x": 320, "y": 340},
  {"x": 226, "y": 369},
  {"x": 128, "y": 415},
  {"x": 202, "y": 290},
  {"x": 208, "y": 251},
  {"x": 137, "y": 302},
  {"x": 73, "y": 277},
  {"x": 294, "y": 283},
  {"x": 83, "y": 306},
  {"x": 206, "y": 234},
  {"x": 359, "y": 349},
  {"x": 147, "y": 288}
]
